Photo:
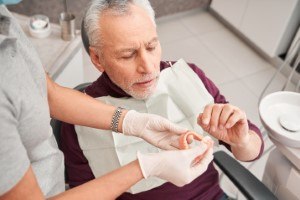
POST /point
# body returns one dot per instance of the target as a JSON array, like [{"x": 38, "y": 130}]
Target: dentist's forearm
[
  {"x": 249, "y": 152},
  {"x": 109, "y": 186},
  {"x": 77, "y": 108}
]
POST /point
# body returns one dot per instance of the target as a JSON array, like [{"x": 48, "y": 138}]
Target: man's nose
[{"x": 145, "y": 65}]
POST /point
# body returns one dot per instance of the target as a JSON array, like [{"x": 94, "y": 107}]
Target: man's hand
[
  {"x": 227, "y": 123},
  {"x": 154, "y": 129},
  {"x": 179, "y": 167}
]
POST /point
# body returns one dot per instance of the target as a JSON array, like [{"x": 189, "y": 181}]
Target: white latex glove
[
  {"x": 154, "y": 129},
  {"x": 179, "y": 167}
]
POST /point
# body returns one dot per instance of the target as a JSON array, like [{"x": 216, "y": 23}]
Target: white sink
[{"x": 280, "y": 115}]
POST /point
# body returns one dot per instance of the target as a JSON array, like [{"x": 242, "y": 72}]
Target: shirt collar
[{"x": 103, "y": 86}]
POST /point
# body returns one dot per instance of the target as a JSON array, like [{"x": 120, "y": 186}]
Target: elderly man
[{"x": 124, "y": 46}]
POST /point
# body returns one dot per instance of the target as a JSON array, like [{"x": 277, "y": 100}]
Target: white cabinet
[{"x": 269, "y": 24}]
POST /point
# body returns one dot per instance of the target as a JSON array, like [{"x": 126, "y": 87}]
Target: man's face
[{"x": 130, "y": 52}]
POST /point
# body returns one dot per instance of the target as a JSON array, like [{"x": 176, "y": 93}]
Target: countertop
[{"x": 54, "y": 52}]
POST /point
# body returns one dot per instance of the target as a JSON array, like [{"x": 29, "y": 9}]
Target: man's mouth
[{"x": 145, "y": 84}]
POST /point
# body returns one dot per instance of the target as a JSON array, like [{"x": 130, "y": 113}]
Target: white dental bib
[{"x": 180, "y": 97}]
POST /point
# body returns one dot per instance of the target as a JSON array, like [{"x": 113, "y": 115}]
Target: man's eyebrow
[
  {"x": 133, "y": 48},
  {"x": 155, "y": 39},
  {"x": 125, "y": 50}
]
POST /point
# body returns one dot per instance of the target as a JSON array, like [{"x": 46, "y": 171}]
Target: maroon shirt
[{"x": 204, "y": 187}]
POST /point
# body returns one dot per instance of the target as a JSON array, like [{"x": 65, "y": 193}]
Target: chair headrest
[{"x": 85, "y": 38}]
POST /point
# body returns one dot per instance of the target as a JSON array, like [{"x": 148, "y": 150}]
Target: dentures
[{"x": 190, "y": 135}]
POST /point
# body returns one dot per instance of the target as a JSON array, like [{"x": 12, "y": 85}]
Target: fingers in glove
[
  {"x": 174, "y": 142},
  {"x": 170, "y": 147},
  {"x": 201, "y": 163},
  {"x": 173, "y": 128},
  {"x": 196, "y": 153},
  {"x": 169, "y": 142},
  {"x": 207, "y": 140}
]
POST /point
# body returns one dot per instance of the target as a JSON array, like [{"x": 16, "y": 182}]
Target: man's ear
[{"x": 95, "y": 59}]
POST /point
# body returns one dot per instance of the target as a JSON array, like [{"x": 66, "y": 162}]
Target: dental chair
[
  {"x": 245, "y": 181},
  {"x": 56, "y": 127}
]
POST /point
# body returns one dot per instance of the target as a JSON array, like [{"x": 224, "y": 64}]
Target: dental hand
[
  {"x": 179, "y": 167},
  {"x": 154, "y": 129},
  {"x": 227, "y": 123}
]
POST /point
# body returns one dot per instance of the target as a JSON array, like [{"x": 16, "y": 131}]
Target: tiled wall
[{"x": 52, "y": 8}]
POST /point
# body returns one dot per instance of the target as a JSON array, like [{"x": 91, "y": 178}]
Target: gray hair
[{"x": 117, "y": 7}]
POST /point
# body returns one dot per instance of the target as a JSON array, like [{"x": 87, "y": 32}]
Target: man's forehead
[
  {"x": 120, "y": 37},
  {"x": 127, "y": 28},
  {"x": 129, "y": 47}
]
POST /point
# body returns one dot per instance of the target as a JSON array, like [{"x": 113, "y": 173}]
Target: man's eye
[
  {"x": 128, "y": 56},
  {"x": 152, "y": 48}
]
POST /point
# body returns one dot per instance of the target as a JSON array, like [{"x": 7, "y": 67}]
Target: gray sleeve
[{"x": 14, "y": 161}]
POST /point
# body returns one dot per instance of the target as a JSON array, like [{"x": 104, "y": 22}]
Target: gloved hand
[
  {"x": 154, "y": 129},
  {"x": 179, "y": 167}
]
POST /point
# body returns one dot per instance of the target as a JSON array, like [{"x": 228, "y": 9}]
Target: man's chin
[{"x": 141, "y": 95}]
